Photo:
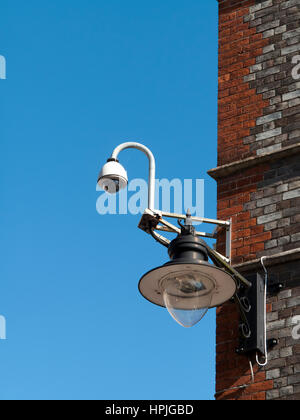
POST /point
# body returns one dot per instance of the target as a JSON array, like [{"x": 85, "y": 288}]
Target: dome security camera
[{"x": 113, "y": 177}]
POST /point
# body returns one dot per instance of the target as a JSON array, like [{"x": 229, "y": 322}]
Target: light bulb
[{"x": 187, "y": 296}]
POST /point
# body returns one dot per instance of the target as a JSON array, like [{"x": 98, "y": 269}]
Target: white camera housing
[{"x": 113, "y": 177}]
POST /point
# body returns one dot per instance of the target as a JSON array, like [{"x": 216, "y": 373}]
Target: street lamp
[{"x": 188, "y": 285}]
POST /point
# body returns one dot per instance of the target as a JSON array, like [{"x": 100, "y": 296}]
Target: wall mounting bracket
[{"x": 154, "y": 220}]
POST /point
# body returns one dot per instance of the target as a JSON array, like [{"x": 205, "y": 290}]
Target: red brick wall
[
  {"x": 239, "y": 104},
  {"x": 233, "y": 372},
  {"x": 234, "y": 194},
  {"x": 258, "y": 116}
]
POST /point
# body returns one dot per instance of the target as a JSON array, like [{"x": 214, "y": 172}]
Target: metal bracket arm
[{"x": 153, "y": 221}]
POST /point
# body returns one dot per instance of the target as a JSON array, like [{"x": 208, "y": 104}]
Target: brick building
[{"x": 258, "y": 176}]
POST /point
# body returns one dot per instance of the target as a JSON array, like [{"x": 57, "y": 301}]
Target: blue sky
[{"x": 82, "y": 77}]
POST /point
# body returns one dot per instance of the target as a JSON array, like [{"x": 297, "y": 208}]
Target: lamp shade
[{"x": 188, "y": 285}]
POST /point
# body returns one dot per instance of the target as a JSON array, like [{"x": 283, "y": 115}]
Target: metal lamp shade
[
  {"x": 197, "y": 284},
  {"x": 224, "y": 286}
]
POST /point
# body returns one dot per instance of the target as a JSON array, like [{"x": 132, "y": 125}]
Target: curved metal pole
[{"x": 148, "y": 153}]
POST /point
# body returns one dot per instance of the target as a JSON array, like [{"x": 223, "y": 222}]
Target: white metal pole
[{"x": 148, "y": 153}]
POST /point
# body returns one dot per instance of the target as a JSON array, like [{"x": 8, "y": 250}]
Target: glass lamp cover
[{"x": 187, "y": 296}]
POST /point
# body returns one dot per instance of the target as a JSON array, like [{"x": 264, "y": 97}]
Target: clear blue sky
[{"x": 83, "y": 76}]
